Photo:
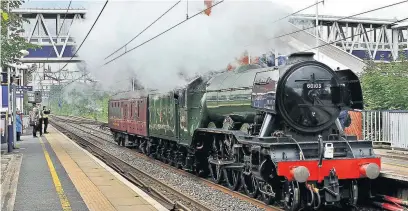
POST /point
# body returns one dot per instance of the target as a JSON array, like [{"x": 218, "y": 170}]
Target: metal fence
[{"x": 387, "y": 127}]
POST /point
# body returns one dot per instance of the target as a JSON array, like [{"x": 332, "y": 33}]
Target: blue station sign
[{"x": 24, "y": 88}]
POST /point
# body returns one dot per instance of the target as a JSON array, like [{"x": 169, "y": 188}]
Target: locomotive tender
[{"x": 272, "y": 131}]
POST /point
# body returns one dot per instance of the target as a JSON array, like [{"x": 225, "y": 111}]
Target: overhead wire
[
  {"x": 144, "y": 29},
  {"x": 83, "y": 41},
  {"x": 383, "y": 7},
  {"x": 59, "y": 31},
  {"x": 345, "y": 38},
  {"x": 298, "y": 11},
  {"x": 361, "y": 13},
  {"x": 187, "y": 17},
  {"x": 147, "y": 41},
  {"x": 279, "y": 36}
]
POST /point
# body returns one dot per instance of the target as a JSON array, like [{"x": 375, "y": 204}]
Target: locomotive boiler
[
  {"x": 227, "y": 99},
  {"x": 273, "y": 132}
]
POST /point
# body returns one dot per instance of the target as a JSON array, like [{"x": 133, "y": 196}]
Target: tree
[
  {"x": 13, "y": 24},
  {"x": 385, "y": 85}
]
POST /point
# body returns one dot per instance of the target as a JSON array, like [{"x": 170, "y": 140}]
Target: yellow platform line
[
  {"x": 57, "y": 183},
  {"x": 94, "y": 199}
]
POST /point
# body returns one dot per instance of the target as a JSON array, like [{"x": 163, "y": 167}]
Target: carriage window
[
  {"x": 131, "y": 110},
  {"x": 138, "y": 109},
  {"x": 182, "y": 98}
]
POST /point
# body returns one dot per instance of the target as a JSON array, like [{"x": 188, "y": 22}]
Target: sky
[
  {"x": 330, "y": 7},
  {"x": 211, "y": 42}
]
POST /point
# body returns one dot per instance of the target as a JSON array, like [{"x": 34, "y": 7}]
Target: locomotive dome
[{"x": 308, "y": 94}]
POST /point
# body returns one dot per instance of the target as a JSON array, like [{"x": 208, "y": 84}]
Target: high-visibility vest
[{"x": 44, "y": 114}]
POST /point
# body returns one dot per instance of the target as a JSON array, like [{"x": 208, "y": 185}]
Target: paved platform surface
[
  {"x": 394, "y": 164},
  {"x": 57, "y": 174},
  {"x": 10, "y": 168}
]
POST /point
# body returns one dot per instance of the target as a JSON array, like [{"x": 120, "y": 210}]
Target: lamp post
[
  {"x": 13, "y": 87},
  {"x": 317, "y": 29}
]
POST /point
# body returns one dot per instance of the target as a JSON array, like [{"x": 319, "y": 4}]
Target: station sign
[
  {"x": 30, "y": 97},
  {"x": 24, "y": 88},
  {"x": 19, "y": 95},
  {"x": 34, "y": 97}
]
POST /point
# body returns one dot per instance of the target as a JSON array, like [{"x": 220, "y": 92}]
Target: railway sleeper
[{"x": 243, "y": 168}]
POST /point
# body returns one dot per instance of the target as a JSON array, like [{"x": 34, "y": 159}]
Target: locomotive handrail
[
  {"x": 300, "y": 148},
  {"x": 230, "y": 89},
  {"x": 348, "y": 144}
]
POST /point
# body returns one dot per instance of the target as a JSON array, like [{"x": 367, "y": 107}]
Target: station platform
[
  {"x": 52, "y": 172},
  {"x": 394, "y": 164}
]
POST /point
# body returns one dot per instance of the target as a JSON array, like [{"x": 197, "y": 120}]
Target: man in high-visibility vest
[{"x": 45, "y": 114}]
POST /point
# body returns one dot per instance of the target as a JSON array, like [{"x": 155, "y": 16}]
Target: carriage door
[
  {"x": 125, "y": 108},
  {"x": 131, "y": 121}
]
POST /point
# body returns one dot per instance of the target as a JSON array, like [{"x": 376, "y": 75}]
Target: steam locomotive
[{"x": 273, "y": 132}]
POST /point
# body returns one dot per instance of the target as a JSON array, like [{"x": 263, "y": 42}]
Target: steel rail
[
  {"x": 219, "y": 187},
  {"x": 174, "y": 199}
]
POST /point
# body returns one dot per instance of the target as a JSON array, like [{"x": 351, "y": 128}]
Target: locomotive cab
[
  {"x": 307, "y": 95},
  {"x": 301, "y": 103}
]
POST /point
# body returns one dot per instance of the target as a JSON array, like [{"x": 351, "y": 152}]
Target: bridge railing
[
  {"x": 386, "y": 127},
  {"x": 46, "y": 40}
]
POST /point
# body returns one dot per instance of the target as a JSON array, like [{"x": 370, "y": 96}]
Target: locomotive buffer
[{"x": 301, "y": 104}]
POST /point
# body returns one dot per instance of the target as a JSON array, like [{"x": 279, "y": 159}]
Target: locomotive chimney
[{"x": 300, "y": 56}]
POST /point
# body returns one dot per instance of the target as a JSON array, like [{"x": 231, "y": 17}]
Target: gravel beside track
[
  {"x": 190, "y": 186},
  {"x": 206, "y": 192}
]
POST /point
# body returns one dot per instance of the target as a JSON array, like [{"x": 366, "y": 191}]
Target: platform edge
[{"x": 140, "y": 192}]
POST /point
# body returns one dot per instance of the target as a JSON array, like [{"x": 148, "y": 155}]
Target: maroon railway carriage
[
  {"x": 292, "y": 149},
  {"x": 128, "y": 114}
]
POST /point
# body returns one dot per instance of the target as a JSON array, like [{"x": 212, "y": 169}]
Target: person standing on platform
[
  {"x": 19, "y": 125},
  {"x": 45, "y": 114},
  {"x": 40, "y": 118},
  {"x": 34, "y": 120}
]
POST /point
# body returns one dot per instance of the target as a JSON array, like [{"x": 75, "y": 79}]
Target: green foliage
[
  {"x": 80, "y": 101},
  {"x": 12, "y": 23},
  {"x": 385, "y": 85}
]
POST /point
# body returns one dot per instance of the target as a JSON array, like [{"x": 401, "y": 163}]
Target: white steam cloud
[{"x": 202, "y": 44}]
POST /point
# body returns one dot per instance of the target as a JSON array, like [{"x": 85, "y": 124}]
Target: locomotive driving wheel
[
  {"x": 233, "y": 178},
  {"x": 250, "y": 184},
  {"x": 215, "y": 172},
  {"x": 291, "y": 195}
]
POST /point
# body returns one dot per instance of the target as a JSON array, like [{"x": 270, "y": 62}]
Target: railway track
[
  {"x": 103, "y": 126},
  {"x": 101, "y": 137},
  {"x": 79, "y": 120},
  {"x": 165, "y": 194},
  {"x": 104, "y": 137}
]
